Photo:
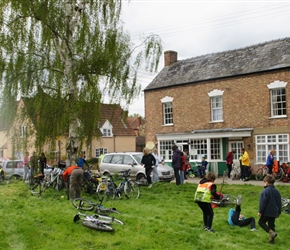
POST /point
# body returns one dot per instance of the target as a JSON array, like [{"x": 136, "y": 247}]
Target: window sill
[
  {"x": 278, "y": 117},
  {"x": 216, "y": 121},
  {"x": 167, "y": 125}
]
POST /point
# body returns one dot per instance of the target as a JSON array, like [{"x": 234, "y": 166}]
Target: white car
[{"x": 113, "y": 163}]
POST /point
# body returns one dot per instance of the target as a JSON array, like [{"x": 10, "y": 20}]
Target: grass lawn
[{"x": 164, "y": 217}]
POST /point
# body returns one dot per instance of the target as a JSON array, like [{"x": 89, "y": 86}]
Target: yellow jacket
[{"x": 245, "y": 159}]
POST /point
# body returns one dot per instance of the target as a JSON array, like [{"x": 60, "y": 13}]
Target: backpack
[
  {"x": 276, "y": 166},
  {"x": 231, "y": 212}
]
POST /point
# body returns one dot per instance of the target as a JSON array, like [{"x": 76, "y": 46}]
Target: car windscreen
[{"x": 138, "y": 157}]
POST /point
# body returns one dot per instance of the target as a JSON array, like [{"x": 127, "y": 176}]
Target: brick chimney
[{"x": 170, "y": 57}]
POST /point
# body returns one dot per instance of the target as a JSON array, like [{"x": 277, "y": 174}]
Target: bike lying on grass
[
  {"x": 87, "y": 205},
  {"x": 285, "y": 205},
  {"x": 99, "y": 221}
]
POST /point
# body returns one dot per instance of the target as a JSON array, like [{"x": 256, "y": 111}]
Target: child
[
  {"x": 236, "y": 218},
  {"x": 270, "y": 207},
  {"x": 205, "y": 190}
]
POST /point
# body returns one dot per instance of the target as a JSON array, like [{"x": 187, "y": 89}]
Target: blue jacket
[
  {"x": 270, "y": 160},
  {"x": 270, "y": 202}
]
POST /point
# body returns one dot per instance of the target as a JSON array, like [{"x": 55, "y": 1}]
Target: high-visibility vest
[{"x": 203, "y": 192}]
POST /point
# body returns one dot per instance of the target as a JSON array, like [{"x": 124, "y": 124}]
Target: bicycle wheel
[
  {"x": 106, "y": 191},
  {"x": 97, "y": 226},
  {"x": 228, "y": 200},
  {"x": 36, "y": 188},
  {"x": 83, "y": 204},
  {"x": 285, "y": 202},
  {"x": 59, "y": 184},
  {"x": 260, "y": 174},
  {"x": 132, "y": 189},
  {"x": 279, "y": 175}
]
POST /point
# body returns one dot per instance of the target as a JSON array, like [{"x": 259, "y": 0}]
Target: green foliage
[
  {"x": 164, "y": 217},
  {"x": 66, "y": 57}
]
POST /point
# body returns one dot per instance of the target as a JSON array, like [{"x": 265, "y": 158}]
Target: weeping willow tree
[{"x": 64, "y": 54}]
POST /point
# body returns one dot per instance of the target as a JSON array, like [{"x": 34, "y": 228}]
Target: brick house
[
  {"x": 114, "y": 134},
  {"x": 214, "y": 103}
]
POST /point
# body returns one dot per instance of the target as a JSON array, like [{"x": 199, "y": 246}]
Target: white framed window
[
  {"x": 107, "y": 129},
  {"x": 279, "y": 142},
  {"x": 101, "y": 151},
  {"x": 215, "y": 149},
  {"x": 165, "y": 149},
  {"x": 278, "y": 98},
  {"x": 167, "y": 110},
  {"x": 236, "y": 145},
  {"x": 216, "y": 104},
  {"x": 198, "y": 149}
]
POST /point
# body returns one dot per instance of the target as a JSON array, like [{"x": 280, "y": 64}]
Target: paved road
[{"x": 250, "y": 182}]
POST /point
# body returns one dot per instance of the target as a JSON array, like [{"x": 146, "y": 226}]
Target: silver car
[
  {"x": 113, "y": 163},
  {"x": 14, "y": 169}
]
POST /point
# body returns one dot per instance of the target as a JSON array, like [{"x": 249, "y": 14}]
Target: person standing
[
  {"x": 182, "y": 168},
  {"x": 176, "y": 162},
  {"x": 25, "y": 166},
  {"x": 245, "y": 165},
  {"x": 149, "y": 162},
  {"x": 33, "y": 164},
  {"x": 187, "y": 157},
  {"x": 204, "y": 192},
  {"x": 229, "y": 162},
  {"x": 270, "y": 161},
  {"x": 270, "y": 207},
  {"x": 42, "y": 162},
  {"x": 82, "y": 161},
  {"x": 73, "y": 178},
  {"x": 155, "y": 171}
]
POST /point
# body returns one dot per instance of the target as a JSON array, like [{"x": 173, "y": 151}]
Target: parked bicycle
[
  {"x": 39, "y": 183},
  {"x": 106, "y": 189},
  {"x": 235, "y": 173},
  {"x": 262, "y": 171},
  {"x": 127, "y": 186},
  {"x": 90, "y": 181}
]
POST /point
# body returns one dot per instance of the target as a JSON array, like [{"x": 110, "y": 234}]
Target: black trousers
[
  {"x": 148, "y": 171},
  {"x": 263, "y": 223},
  {"x": 242, "y": 223},
  {"x": 229, "y": 166},
  {"x": 208, "y": 213},
  {"x": 177, "y": 176}
]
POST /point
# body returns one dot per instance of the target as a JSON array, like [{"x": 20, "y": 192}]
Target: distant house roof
[
  {"x": 257, "y": 58},
  {"x": 118, "y": 119}
]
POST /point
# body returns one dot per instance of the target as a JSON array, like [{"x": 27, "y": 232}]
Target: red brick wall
[{"x": 246, "y": 104}]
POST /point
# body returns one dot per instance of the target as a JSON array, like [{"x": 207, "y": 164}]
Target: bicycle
[
  {"x": 90, "y": 181},
  {"x": 97, "y": 222},
  {"x": 263, "y": 171},
  {"x": 227, "y": 199},
  {"x": 87, "y": 205},
  {"x": 128, "y": 186},
  {"x": 235, "y": 173},
  {"x": 37, "y": 184},
  {"x": 285, "y": 205},
  {"x": 107, "y": 187}
]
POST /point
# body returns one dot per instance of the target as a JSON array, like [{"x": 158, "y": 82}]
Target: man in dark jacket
[
  {"x": 270, "y": 207},
  {"x": 176, "y": 163}
]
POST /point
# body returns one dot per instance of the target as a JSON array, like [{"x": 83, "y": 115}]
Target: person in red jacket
[
  {"x": 74, "y": 175},
  {"x": 229, "y": 161}
]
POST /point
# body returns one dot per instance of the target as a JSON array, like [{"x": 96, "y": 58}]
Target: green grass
[{"x": 164, "y": 217}]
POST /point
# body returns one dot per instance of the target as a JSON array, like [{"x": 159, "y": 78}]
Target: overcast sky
[{"x": 193, "y": 28}]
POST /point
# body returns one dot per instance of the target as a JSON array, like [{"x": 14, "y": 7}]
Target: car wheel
[
  {"x": 14, "y": 178},
  {"x": 141, "y": 180}
]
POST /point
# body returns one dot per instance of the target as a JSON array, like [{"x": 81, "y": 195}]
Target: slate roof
[{"x": 256, "y": 58}]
